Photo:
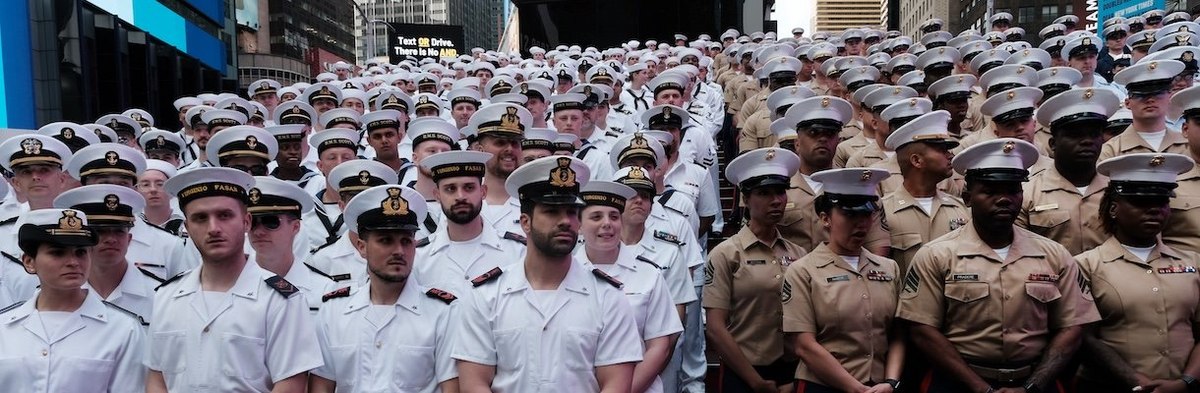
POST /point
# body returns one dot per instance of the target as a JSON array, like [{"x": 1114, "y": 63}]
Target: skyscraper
[{"x": 838, "y": 15}]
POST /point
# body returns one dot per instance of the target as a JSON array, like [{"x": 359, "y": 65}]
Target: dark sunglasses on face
[
  {"x": 272, "y": 222},
  {"x": 256, "y": 170}
]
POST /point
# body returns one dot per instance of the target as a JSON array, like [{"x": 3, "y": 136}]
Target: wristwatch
[
  {"x": 1192, "y": 385},
  {"x": 1032, "y": 388},
  {"x": 894, "y": 383}
]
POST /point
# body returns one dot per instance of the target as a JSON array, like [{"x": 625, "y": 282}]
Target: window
[
  {"x": 1048, "y": 12},
  {"x": 1024, "y": 15},
  {"x": 1069, "y": 9}
]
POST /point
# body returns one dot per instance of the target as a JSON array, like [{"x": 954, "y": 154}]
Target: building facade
[
  {"x": 483, "y": 21},
  {"x": 835, "y": 16},
  {"x": 1031, "y": 15},
  {"x": 915, "y": 12},
  {"x": 291, "y": 40}
]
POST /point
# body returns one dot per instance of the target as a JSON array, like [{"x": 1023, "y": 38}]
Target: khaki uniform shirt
[
  {"x": 730, "y": 90},
  {"x": 1130, "y": 142},
  {"x": 1149, "y": 308},
  {"x": 756, "y": 132},
  {"x": 744, "y": 276},
  {"x": 1041, "y": 139},
  {"x": 1054, "y": 208},
  {"x": 751, "y": 107},
  {"x": 1182, "y": 231},
  {"x": 850, "y": 311},
  {"x": 866, "y": 156},
  {"x": 910, "y": 226},
  {"x": 975, "y": 120},
  {"x": 800, "y": 223},
  {"x": 851, "y": 130},
  {"x": 848, "y": 147},
  {"x": 994, "y": 311},
  {"x": 953, "y": 186}
]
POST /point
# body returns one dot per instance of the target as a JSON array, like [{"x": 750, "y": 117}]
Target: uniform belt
[{"x": 1003, "y": 375}]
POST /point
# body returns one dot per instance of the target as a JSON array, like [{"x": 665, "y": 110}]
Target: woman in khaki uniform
[
  {"x": 1148, "y": 293},
  {"x": 839, "y": 300},
  {"x": 743, "y": 276}
]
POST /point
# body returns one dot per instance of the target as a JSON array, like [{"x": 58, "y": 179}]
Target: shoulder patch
[
  {"x": 485, "y": 278},
  {"x": 152, "y": 276},
  {"x": 11, "y": 307},
  {"x": 667, "y": 237},
  {"x": 607, "y": 278},
  {"x": 340, "y": 292},
  {"x": 424, "y": 242},
  {"x": 127, "y": 312},
  {"x": 514, "y": 237},
  {"x": 647, "y": 260},
  {"x": 282, "y": 286},
  {"x": 171, "y": 280},
  {"x": 12, "y": 258},
  {"x": 439, "y": 294}
]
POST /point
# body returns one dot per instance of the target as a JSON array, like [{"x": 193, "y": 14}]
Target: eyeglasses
[
  {"x": 256, "y": 170},
  {"x": 272, "y": 222}
]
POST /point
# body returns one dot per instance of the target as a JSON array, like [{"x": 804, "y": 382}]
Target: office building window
[
  {"x": 1048, "y": 12},
  {"x": 1025, "y": 15}
]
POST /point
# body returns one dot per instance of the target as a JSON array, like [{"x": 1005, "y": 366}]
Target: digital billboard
[
  {"x": 1108, "y": 9},
  {"x": 424, "y": 41}
]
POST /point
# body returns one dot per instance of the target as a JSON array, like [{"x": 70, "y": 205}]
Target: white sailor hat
[
  {"x": 1172, "y": 41},
  {"x": 968, "y": 36},
  {"x": 259, "y": 111},
  {"x": 1000, "y": 17},
  {"x": 1149, "y": 77},
  {"x": 336, "y": 137},
  {"x": 951, "y": 87},
  {"x": 988, "y": 60},
  {"x": 336, "y": 116},
  {"x": 360, "y": 174},
  {"x": 1015, "y": 103},
  {"x": 243, "y": 141},
  {"x": 1176, "y": 18},
  {"x": 394, "y": 99},
  {"x": 879, "y": 60},
  {"x": 169, "y": 170},
  {"x": 237, "y": 104},
  {"x": 1153, "y": 16},
  {"x": 206, "y": 98},
  {"x": 205, "y": 182},
  {"x": 1137, "y": 21},
  {"x": 533, "y": 89},
  {"x": 798, "y": 30},
  {"x": 1033, "y": 57},
  {"x": 906, "y": 110},
  {"x": 936, "y": 39},
  {"x": 852, "y": 189},
  {"x": 787, "y": 96},
  {"x": 427, "y": 101},
  {"x": 185, "y": 102},
  {"x": 104, "y": 204},
  {"x": 433, "y": 129},
  {"x": 565, "y": 143},
  {"x": 499, "y": 85},
  {"x": 1114, "y": 29},
  {"x": 567, "y": 101},
  {"x": 665, "y": 115},
  {"x": 636, "y": 179},
  {"x": 67, "y": 227},
  {"x": 928, "y": 128},
  {"x": 121, "y": 123},
  {"x": 1185, "y": 102},
  {"x": 222, "y": 118},
  {"x": 464, "y": 95},
  {"x": 294, "y": 112},
  {"x": 350, "y": 84},
  {"x": 820, "y": 112},
  {"x": 539, "y": 138},
  {"x": 637, "y": 144},
  {"x": 1145, "y": 174},
  {"x": 106, "y": 159},
  {"x": 352, "y": 94},
  {"x": 160, "y": 140},
  {"x": 606, "y": 193},
  {"x": 1079, "y": 46},
  {"x": 322, "y": 90},
  {"x": 1055, "y": 80},
  {"x": 263, "y": 86},
  {"x": 668, "y": 80},
  {"x": 549, "y": 180},
  {"x": 143, "y": 118},
  {"x": 534, "y": 50},
  {"x": 861, "y": 94},
  {"x": 880, "y": 99},
  {"x": 1078, "y": 104},
  {"x": 293, "y": 90},
  {"x": 727, "y": 35},
  {"x": 33, "y": 149},
  {"x": 386, "y": 208},
  {"x": 932, "y": 24},
  {"x": 768, "y": 166},
  {"x": 592, "y": 94},
  {"x": 463, "y": 163},
  {"x": 273, "y": 196},
  {"x": 1067, "y": 20},
  {"x": 499, "y": 119},
  {"x": 73, "y": 135},
  {"x": 1015, "y": 31},
  {"x": 104, "y": 133},
  {"x": 1054, "y": 46},
  {"x": 994, "y": 37},
  {"x": 821, "y": 50},
  {"x": 783, "y": 64},
  {"x": 286, "y": 132},
  {"x": 604, "y": 74},
  {"x": 901, "y": 63},
  {"x": 1001, "y": 159},
  {"x": 1007, "y": 76},
  {"x": 859, "y": 76},
  {"x": 940, "y": 57},
  {"x": 1053, "y": 30}
]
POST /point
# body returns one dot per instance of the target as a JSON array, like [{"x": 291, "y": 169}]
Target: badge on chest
[
  {"x": 1043, "y": 277},
  {"x": 1176, "y": 269},
  {"x": 876, "y": 275}
]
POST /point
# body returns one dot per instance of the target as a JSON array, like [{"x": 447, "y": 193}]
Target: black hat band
[
  {"x": 456, "y": 170},
  {"x": 432, "y": 136},
  {"x": 537, "y": 144},
  {"x": 603, "y": 199},
  {"x": 211, "y": 189}
]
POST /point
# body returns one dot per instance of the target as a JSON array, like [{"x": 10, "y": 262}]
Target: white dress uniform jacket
[{"x": 444, "y": 264}]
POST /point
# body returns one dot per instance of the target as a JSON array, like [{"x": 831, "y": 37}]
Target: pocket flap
[{"x": 967, "y": 292}]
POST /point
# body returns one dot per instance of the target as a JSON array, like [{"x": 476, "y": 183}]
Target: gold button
[
  {"x": 1154, "y": 289},
  {"x": 777, "y": 276},
  {"x": 1149, "y": 271}
]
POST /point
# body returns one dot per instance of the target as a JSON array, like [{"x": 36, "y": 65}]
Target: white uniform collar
[
  {"x": 577, "y": 279},
  {"x": 247, "y": 284},
  {"x": 409, "y": 298},
  {"x": 93, "y": 307}
]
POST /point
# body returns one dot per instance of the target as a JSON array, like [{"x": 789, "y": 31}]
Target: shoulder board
[
  {"x": 647, "y": 260},
  {"x": 584, "y": 152},
  {"x": 607, "y": 278},
  {"x": 12, "y": 258},
  {"x": 11, "y": 307},
  {"x": 424, "y": 242},
  {"x": 170, "y": 280},
  {"x": 127, "y": 312},
  {"x": 515, "y": 237},
  {"x": 10, "y": 220},
  {"x": 282, "y": 286},
  {"x": 667, "y": 237},
  {"x": 485, "y": 278},
  {"x": 612, "y": 134},
  {"x": 439, "y": 294},
  {"x": 340, "y": 292},
  {"x": 152, "y": 276}
]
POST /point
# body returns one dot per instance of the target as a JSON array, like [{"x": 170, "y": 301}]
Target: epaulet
[
  {"x": 668, "y": 237},
  {"x": 584, "y": 152},
  {"x": 127, "y": 312},
  {"x": 279, "y": 284},
  {"x": 11, "y": 307},
  {"x": 170, "y": 280},
  {"x": 607, "y": 278},
  {"x": 439, "y": 294},
  {"x": 647, "y": 260},
  {"x": 515, "y": 237},
  {"x": 334, "y": 278},
  {"x": 10, "y": 257},
  {"x": 423, "y": 242},
  {"x": 9, "y": 220},
  {"x": 152, "y": 276},
  {"x": 484, "y": 278},
  {"x": 612, "y": 134},
  {"x": 340, "y": 292}
]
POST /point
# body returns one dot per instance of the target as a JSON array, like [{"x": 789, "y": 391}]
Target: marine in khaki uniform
[
  {"x": 1146, "y": 341},
  {"x": 855, "y": 79},
  {"x": 953, "y": 94},
  {"x": 1054, "y": 81},
  {"x": 756, "y": 126},
  {"x": 1149, "y": 87},
  {"x": 857, "y": 133},
  {"x": 743, "y": 277},
  {"x": 898, "y": 115},
  {"x": 917, "y": 211},
  {"x": 1182, "y": 231},
  {"x": 758, "y": 132},
  {"x": 1061, "y": 202},
  {"x": 877, "y": 101},
  {"x": 777, "y": 65},
  {"x": 839, "y": 301},
  {"x": 996, "y": 306},
  {"x": 1011, "y": 114},
  {"x": 745, "y": 91}
]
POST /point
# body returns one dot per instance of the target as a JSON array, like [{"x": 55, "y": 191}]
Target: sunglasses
[
  {"x": 271, "y": 222},
  {"x": 256, "y": 170}
]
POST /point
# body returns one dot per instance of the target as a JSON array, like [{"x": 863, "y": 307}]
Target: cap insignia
[
  {"x": 113, "y": 124},
  {"x": 866, "y": 176},
  {"x": 1021, "y": 70},
  {"x": 67, "y": 133},
  {"x": 70, "y": 221},
  {"x": 1182, "y": 38},
  {"x": 394, "y": 205},
  {"x": 510, "y": 120},
  {"x": 825, "y": 102},
  {"x": 31, "y": 146},
  {"x": 524, "y": 88},
  {"x": 364, "y": 177},
  {"x": 666, "y": 112},
  {"x": 111, "y": 158},
  {"x": 636, "y": 173},
  {"x": 1153, "y": 65},
  {"x": 1188, "y": 56},
  {"x": 160, "y": 141},
  {"x": 770, "y": 155},
  {"x": 255, "y": 195},
  {"x": 563, "y": 175},
  {"x": 112, "y": 201},
  {"x": 1085, "y": 42},
  {"x": 1157, "y": 160},
  {"x": 639, "y": 142},
  {"x": 264, "y": 86},
  {"x": 1087, "y": 95},
  {"x": 1011, "y": 95},
  {"x": 251, "y": 142},
  {"x": 1009, "y": 147},
  {"x": 324, "y": 90}
]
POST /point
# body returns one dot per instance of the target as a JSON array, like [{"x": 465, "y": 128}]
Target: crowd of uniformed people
[{"x": 944, "y": 213}]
